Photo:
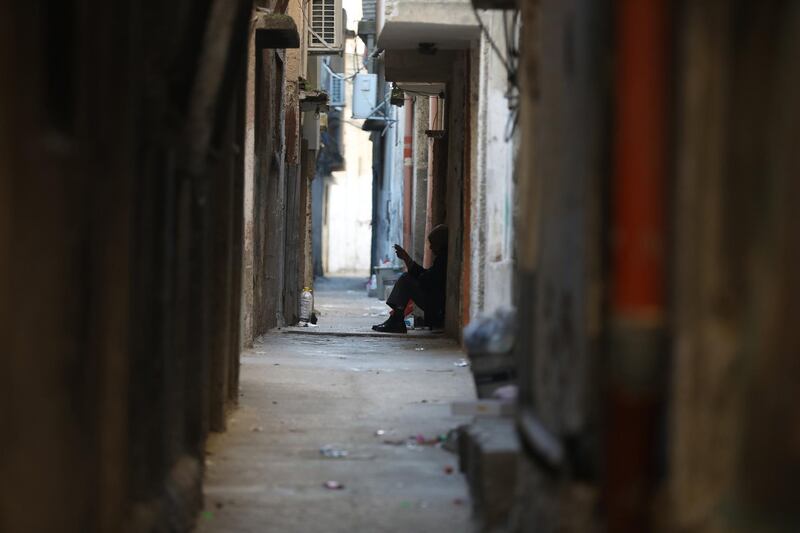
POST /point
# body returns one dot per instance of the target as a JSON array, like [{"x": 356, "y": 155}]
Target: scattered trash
[
  {"x": 461, "y": 363},
  {"x": 424, "y": 401},
  {"x": 276, "y": 364},
  {"x": 380, "y": 432},
  {"x": 415, "y": 442},
  {"x": 405, "y": 504},
  {"x": 274, "y": 402},
  {"x": 333, "y": 452},
  {"x": 449, "y": 470},
  {"x": 306, "y": 306},
  {"x": 450, "y": 443},
  {"x": 333, "y": 485},
  {"x": 256, "y": 429},
  {"x": 372, "y": 286},
  {"x": 424, "y": 441},
  {"x": 208, "y": 515},
  {"x": 419, "y": 349}
]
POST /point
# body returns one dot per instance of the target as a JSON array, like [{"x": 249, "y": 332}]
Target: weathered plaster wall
[
  {"x": 295, "y": 205},
  {"x": 115, "y": 296},
  {"x": 248, "y": 213},
  {"x": 273, "y": 210},
  {"x": 732, "y": 465},
  {"x": 560, "y": 166},
  {"x": 493, "y": 198},
  {"x": 420, "y": 197}
]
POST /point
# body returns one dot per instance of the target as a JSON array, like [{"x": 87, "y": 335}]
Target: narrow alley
[
  {"x": 401, "y": 266},
  {"x": 302, "y": 394}
]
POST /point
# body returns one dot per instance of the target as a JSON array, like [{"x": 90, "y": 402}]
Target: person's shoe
[{"x": 392, "y": 325}]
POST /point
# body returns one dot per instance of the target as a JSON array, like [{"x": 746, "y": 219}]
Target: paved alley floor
[{"x": 359, "y": 396}]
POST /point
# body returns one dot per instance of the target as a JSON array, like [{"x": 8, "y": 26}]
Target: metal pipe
[
  {"x": 636, "y": 358},
  {"x": 380, "y": 17}
]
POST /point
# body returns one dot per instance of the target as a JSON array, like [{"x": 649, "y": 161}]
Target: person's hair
[{"x": 438, "y": 239}]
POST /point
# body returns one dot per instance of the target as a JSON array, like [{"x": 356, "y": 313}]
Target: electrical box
[{"x": 365, "y": 93}]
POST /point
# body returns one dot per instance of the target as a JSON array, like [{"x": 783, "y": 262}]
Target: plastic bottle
[{"x": 306, "y": 306}]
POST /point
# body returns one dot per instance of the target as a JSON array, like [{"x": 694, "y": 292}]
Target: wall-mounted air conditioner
[
  {"x": 325, "y": 27},
  {"x": 365, "y": 94},
  {"x": 335, "y": 91}
]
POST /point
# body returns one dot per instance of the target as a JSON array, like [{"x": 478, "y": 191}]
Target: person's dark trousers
[
  {"x": 406, "y": 288},
  {"x": 410, "y": 288}
]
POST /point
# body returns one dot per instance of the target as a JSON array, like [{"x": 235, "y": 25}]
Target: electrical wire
[
  {"x": 491, "y": 41},
  {"x": 510, "y": 62},
  {"x": 340, "y": 76}
]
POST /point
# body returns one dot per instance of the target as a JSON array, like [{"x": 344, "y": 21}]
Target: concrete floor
[{"x": 300, "y": 392}]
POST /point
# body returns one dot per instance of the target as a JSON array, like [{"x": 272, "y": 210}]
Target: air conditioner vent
[
  {"x": 336, "y": 92},
  {"x": 325, "y": 26}
]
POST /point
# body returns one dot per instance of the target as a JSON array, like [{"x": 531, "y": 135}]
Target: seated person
[{"x": 425, "y": 287}]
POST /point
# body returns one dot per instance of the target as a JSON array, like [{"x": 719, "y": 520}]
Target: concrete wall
[
  {"x": 670, "y": 408},
  {"x": 275, "y": 200},
  {"x": 118, "y": 233},
  {"x": 493, "y": 194},
  {"x": 560, "y": 164},
  {"x": 735, "y": 279},
  {"x": 457, "y": 192},
  {"x": 419, "y": 207}
]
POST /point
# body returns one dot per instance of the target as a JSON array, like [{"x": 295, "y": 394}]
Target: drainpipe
[
  {"x": 433, "y": 103},
  {"x": 408, "y": 173},
  {"x": 380, "y": 16},
  {"x": 635, "y": 386}
]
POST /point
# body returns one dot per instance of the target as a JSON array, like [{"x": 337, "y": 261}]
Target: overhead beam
[
  {"x": 414, "y": 66},
  {"x": 495, "y": 4}
]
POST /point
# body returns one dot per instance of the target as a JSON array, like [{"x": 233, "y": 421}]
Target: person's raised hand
[{"x": 401, "y": 253}]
